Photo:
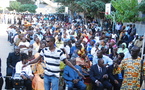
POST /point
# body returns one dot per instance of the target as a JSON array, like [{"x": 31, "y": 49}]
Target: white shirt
[
  {"x": 99, "y": 68},
  {"x": 93, "y": 51},
  {"x": 24, "y": 43},
  {"x": 67, "y": 48},
  {"x": 26, "y": 69}
]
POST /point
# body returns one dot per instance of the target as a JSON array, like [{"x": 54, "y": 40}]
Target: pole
[{"x": 143, "y": 46}]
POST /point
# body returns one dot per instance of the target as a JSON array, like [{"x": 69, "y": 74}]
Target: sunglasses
[{"x": 48, "y": 41}]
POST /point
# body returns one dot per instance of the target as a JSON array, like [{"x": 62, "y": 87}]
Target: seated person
[
  {"x": 25, "y": 72},
  {"x": 116, "y": 79},
  {"x": 99, "y": 76},
  {"x": 72, "y": 78},
  {"x": 37, "y": 68},
  {"x": 12, "y": 59}
]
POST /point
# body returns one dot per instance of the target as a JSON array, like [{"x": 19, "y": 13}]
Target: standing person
[
  {"x": 132, "y": 70},
  {"x": 52, "y": 56},
  {"x": 1, "y": 79},
  {"x": 12, "y": 59}
]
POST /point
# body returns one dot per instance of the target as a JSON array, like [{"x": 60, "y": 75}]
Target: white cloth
[
  {"x": 24, "y": 50},
  {"x": 67, "y": 48},
  {"x": 26, "y": 69}
]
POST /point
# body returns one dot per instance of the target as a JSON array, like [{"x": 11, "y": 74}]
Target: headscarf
[{"x": 124, "y": 44}]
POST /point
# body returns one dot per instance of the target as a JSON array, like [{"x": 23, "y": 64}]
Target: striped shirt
[{"x": 52, "y": 61}]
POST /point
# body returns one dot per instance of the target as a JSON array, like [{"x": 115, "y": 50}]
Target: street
[{"x": 5, "y": 48}]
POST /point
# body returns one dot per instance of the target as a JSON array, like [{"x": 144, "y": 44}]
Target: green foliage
[
  {"x": 28, "y": 7},
  {"x": 14, "y": 5},
  {"x": 88, "y": 7},
  {"x": 91, "y": 8},
  {"x": 142, "y": 6},
  {"x": 126, "y": 10},
  {"x": 26, "y": 1}
]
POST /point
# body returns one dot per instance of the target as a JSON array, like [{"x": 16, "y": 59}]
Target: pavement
[{"x": 5, "y": 48}]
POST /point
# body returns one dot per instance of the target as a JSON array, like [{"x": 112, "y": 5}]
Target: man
[
  {"x": 26, "y": 72},
  {"x": 107, "y": 60},
  {"x": 132, "y": 70},
  {"x": 12, "y": 59},
  {"x": 99, "y": 76},
  {"x": 52, "y": 56},
  {"x": 72, "y": 78},
  {"x": 24, "y": 45},
  {"x": 116, "y": 79}
]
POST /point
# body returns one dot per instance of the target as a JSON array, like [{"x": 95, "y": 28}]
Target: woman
[
  {"x": 38, "y": 82},
  {"x": 36, "y": 46},
  {"x": 123, "y": 49}
]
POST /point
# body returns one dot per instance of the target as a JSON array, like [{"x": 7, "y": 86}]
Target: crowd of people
[{"x": 88, "y": 56}]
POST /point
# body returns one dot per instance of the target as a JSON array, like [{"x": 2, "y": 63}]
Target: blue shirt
[
  {"x": 106, "y": 59},
  {"x": 70, "y": 74}
]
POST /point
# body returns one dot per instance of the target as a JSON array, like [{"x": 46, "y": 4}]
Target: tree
[
  {"x": 91, "y": 8},
  {"x": 26, "y": 1},
  {"x": 126, "y": 10},
  {"x": 142, "y": 6},
  {"x": 14, "y": 5},
  {"x": 28, "y": 7},
  {"x": 88, "y": 7}
]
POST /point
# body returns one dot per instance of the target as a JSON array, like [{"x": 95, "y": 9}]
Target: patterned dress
[{"x": 132, "y": 72}]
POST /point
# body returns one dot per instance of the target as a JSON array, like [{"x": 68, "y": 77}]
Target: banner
[
  {"x": 66, "y": 10},
  {"x": 107, "y": 8}
]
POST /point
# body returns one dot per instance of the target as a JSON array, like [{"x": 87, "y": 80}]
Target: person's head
[
  {"x": 77, "y": 43},
  {"x": 101, "y": 62},
  {"x": 134, "y": 52},
  {"x": 103, "y": 49},
  {"x": 17, "y": 50},
  {"x": 73, "y": 61},
  {"x": 133, "y": 25},
  {"x": 120, "y": 56},
  {"x": 123, "y": 45},
  {"x": 141, "y": 38},
  {"x": 42, "y": 45},
  {"x": 65, "y": 42},
  {"x": 24, "y": 39},
  {"x": 102, "y": 43},
  {"x": 100, "y": 54},
  {"x": 37, "y": 40},
  {"x": 59, "y": 38},
  {"x": 92, "y": 42},
  {"x": 24, "y": 58},
  {"x": 50, "y": 41}
]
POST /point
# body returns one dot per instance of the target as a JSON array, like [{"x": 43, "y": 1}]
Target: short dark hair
[
  {"x": 24, "y": 56},
  {"x": 122, "y": 55},
  {"x": 52, "y": 38}
]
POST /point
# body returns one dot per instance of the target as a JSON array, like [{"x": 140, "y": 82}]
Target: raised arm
[{"x": 33, "y": 61}]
